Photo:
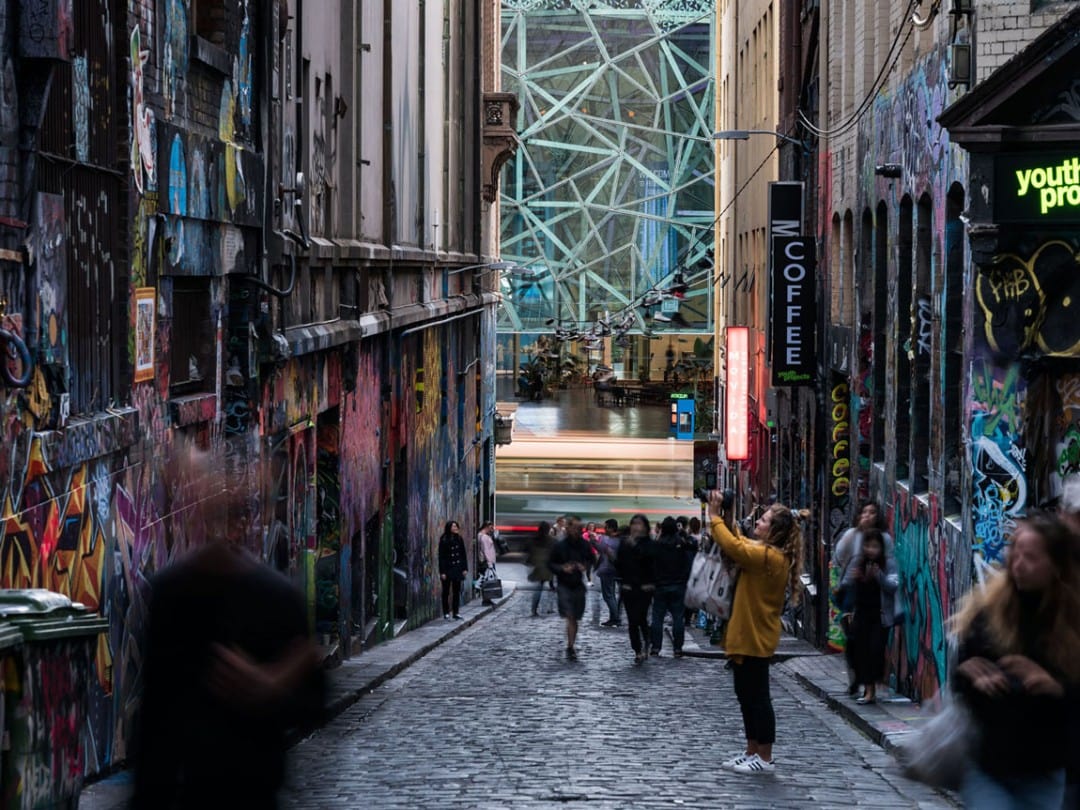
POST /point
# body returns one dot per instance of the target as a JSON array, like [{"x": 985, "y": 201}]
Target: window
[
  {"x": 922, "y": 340},
  {"x": 82, "y": 185},
  {"x": 881, "y": 309},
  {"x": 192, "y": 366},
  {"x": 952, "y": 346},
  {"x": 208, "y": 20},
  {"x": 903, "y": 345}
]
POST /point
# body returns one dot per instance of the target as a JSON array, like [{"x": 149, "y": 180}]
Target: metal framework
[{"x": 611, "y": 190}]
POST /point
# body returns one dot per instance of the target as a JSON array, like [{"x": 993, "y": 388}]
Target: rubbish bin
[
  {"x": 10, "y": 639},
  {"x": 45, "y": 698}
]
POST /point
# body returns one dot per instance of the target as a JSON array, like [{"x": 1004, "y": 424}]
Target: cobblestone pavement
[{"x": 497, "y": 718}]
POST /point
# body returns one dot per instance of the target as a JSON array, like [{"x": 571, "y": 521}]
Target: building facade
[
  {"x": 917, "y": 403},
  {"x": 259, "y": 233}
]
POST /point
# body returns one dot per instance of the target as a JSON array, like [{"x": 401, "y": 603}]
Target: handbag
[
  {"x": 696, "y": 586},
  {"x": 491, "y": 588},
  {"x": 702, "y": 574},
  {"x": 721, "y": 598},
  {"x": 939, "y": 753},
  {"x": 711, "y": 586}
]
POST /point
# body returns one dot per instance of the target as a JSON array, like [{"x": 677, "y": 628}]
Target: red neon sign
[{"x": 738, "y": 395}]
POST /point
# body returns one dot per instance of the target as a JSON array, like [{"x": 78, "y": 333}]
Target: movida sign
[{"x": 794, "y": 309}]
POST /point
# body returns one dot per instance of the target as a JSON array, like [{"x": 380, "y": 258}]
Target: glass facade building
[{"x": 610, "y": 193}]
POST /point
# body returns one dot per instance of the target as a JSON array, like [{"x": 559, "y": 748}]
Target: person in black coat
[
  {"x": 453, "y": 568},
  {"x": 635, "y": 566},
  {"x": 673, "y": 552}
]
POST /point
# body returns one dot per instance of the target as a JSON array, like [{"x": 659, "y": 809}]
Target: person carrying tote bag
[{"x": 770, "y": 565}]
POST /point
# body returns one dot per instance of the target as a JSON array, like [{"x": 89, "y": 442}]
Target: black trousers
[
  {"x": 752, "y": 690},
  {"x": 637, "y": 617},
  {"x": 451, "y": 591}
]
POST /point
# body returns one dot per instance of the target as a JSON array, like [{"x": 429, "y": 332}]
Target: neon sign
[
  {"x": 1037, "y": 187},
  {"x": 737, "y": 405}
]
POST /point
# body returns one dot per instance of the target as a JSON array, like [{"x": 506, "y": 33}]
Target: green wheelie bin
[{"x": 46, "y": 682}]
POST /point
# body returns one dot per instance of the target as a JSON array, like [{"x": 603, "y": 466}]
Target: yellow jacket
[{"x": 754, "y": 628}]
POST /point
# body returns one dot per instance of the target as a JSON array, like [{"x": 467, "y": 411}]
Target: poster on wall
[
  {"x": 794, "y": 311},
  {"x": 145, "y": 302}
]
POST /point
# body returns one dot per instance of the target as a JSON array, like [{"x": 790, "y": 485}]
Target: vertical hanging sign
[
  {"x": 785, "y": 218},
  {"x": 794, "y": 309},
  {"x": 737, "y": 405}
]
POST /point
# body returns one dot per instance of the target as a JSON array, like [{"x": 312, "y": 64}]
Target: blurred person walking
[
  {"x": 538, "y": 561},
  {"x": 872, "y": 580},
  {"x": 228, "y": 670},
  {"x": 571, "y": 559},
  {"x": 453, "y": 568},
  {"x": 770, "y": 567},
  {"x": 606, "y": 573},
  {"x": 1018, "y": 670},
  {"x": 635, "y": 565},
  {"x": 673, "y": 557}
]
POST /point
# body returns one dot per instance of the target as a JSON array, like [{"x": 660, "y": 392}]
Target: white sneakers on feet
[
  {"x": 754, "y": 764},
  {"x": 738, "y": 759}
]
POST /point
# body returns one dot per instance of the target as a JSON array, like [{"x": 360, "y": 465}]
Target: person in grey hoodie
[{"x": 606, "y": 573}]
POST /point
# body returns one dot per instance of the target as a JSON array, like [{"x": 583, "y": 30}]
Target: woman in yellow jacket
[{"x": 771, "y": 566}]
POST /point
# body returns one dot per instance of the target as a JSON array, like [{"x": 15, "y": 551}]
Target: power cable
[{"x": 886, "y": 68}]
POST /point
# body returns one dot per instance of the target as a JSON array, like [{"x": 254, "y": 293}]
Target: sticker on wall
[{"x": 145, "y": 305}]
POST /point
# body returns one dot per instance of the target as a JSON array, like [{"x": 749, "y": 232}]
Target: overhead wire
[{"x": 906, "y": 28}]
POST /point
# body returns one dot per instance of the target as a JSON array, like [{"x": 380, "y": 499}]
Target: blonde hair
[
  {"x": 999, "y": 604},
  {"x": 785, "y": 534}
]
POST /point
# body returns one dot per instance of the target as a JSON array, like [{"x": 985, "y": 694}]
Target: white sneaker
[
  {"x": 738, "y": 759},
  {"x": 754, "y": 764}
]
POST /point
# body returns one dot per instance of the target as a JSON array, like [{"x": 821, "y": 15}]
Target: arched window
[
  {"x": 880, "y": 326},
  {"x": 902, "y": 341},
  {"x": 952, "y": 347},
  {"x": 922, "y": 344}
]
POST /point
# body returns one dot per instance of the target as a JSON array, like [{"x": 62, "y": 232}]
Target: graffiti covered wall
[{"x": 902, "y": 129}]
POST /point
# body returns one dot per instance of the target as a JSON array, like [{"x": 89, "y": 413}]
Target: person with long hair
[
  {"x": 453, "y": 568},
  {"x": 872, "y": 579},
  {"x": 771, "y": 566},
  {"x": 538, "y": 558},
  {"x": 635, "y": 565},
  {"x": 867, "y": 517},
  {"x": 1018, "y": 669}
]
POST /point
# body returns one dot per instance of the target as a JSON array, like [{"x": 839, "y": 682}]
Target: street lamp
[{"x": 744, "y": 135}]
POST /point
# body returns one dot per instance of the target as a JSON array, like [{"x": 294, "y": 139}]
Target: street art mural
[
  {"x": 999, "y": 485},
  {"x": 839, "y": 432},
  {"x": 920, "y": 649},
  {"x": 932, "y": 556}
]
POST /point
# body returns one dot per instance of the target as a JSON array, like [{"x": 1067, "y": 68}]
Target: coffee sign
[
  {"x": 1037, "y": 187},
  {"x": 794, "y": 311}
]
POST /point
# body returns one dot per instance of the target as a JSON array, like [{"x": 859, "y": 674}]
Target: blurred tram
[{"x": 592, "y": 476}]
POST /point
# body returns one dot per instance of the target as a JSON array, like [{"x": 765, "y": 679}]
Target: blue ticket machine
[{"x": 682, "y": 416}]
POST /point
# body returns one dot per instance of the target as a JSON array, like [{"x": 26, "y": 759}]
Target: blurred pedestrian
[
  {"x": 453, "y": 568},
  {"x": 770, "y": 565},
  {"x": 873, "y": 580},
  {"x": 228, "y": 669},
  {"x": 1069, "y": 510},
  {"x": 571, "y": 558},
  {"x": 538, "y": 561},
  {"x": 635, "y": 565},
  {"x": 1018, "y": 669},
  {"x": 606, "y": 573},
  {"x": 592, "y": 539},
  {"x": 672, "y": 555},
  {"x": 485, "y": 558}
]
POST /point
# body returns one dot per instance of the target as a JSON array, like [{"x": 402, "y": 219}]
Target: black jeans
[
  {"x": 752, "y": 690},
  {"x": 637, "y": 617},
  {"x": 451, "y": 592}
]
